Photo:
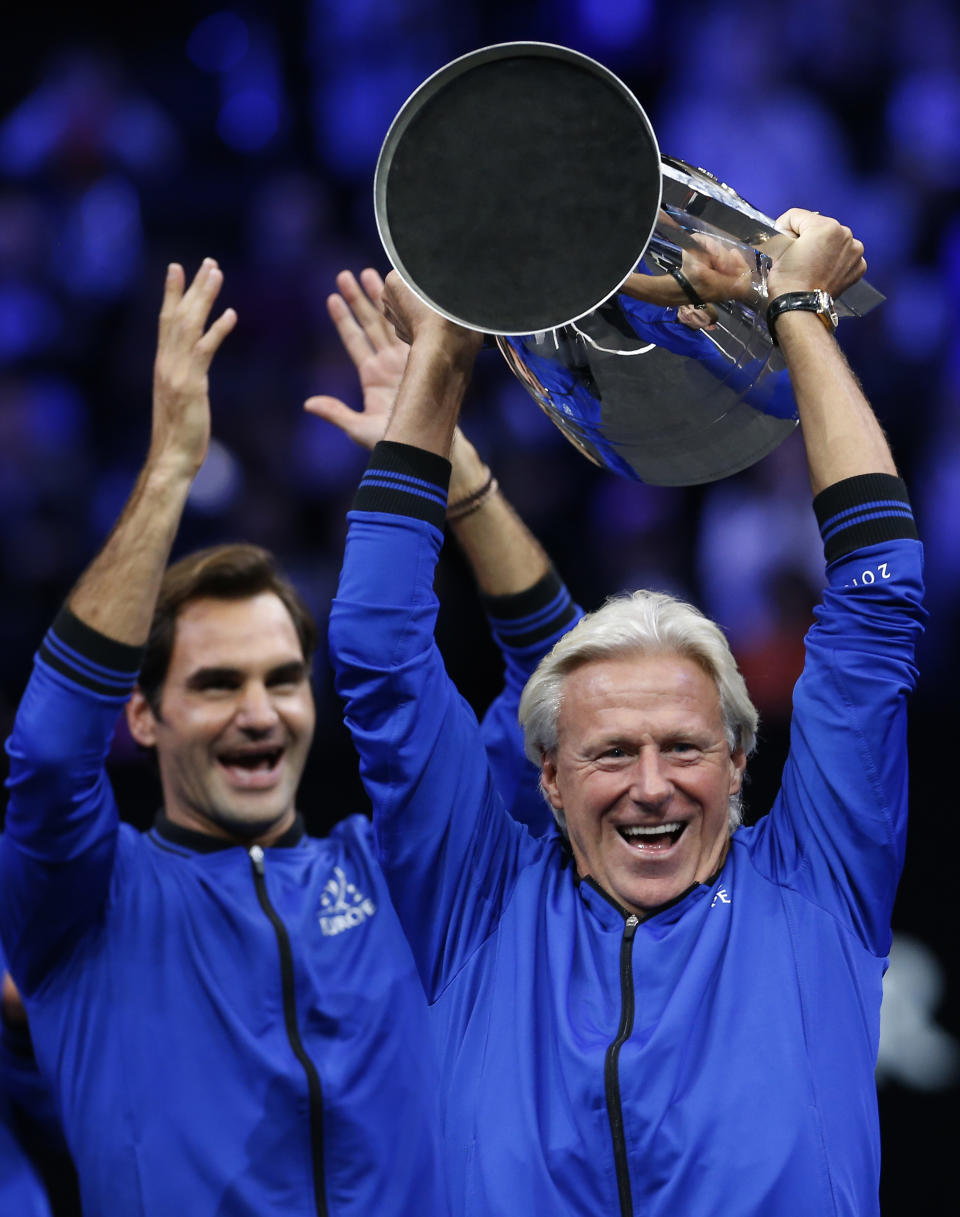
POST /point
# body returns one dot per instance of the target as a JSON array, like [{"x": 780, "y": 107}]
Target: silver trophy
[{"x": 520, "y": 191}]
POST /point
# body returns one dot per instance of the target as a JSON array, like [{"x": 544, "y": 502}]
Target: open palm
[{"x": 376, "y": 352}]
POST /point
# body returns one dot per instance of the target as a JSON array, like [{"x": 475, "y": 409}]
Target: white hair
[{"x": 639, "y": 623}]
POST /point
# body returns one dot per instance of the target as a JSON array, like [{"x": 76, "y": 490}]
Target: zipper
[
  {"x": 314, "y": 1090},
  {"x": 611, "y": 1075}
]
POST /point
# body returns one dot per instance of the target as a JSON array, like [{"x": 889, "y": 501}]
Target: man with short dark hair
[
  {"x": 647, "y": 1012},
  {"x": 226, "y": 1007}
]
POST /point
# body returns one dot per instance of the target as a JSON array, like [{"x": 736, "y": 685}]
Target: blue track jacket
[
  {"x": 22, "y": 1091},
  {"x": 229, "y": 1032},
  {"x": 716, "y": 1059}
]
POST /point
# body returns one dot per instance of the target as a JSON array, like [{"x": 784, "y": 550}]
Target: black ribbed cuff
[
  {"x": 89, "y": 658},
  {"x": 531, "y": 616},
  {"x": 864, "y": 510},
  {"x": 403, "y": 480}
]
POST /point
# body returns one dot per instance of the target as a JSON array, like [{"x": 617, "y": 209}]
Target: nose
[
  {"x": 255, "y": 708},
  {"x": 650, "y": 786}
]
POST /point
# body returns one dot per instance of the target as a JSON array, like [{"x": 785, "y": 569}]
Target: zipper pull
[
  {"x": 256, "y": 857},
  {"x": 632, "y": 921}
]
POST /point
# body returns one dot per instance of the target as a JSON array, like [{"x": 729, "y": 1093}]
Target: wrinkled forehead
[{"x": 661, "y": 687}]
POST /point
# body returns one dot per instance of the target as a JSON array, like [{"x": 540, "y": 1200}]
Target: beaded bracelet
[{"x": 473, "y": 502}]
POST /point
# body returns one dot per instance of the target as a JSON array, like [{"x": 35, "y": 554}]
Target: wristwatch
[{"x": 818, "y": 301}]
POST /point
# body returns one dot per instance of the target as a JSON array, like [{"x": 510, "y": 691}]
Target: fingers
[
  {"x": 356, "y": 312},
  {"x": 363, "y": 300},
  {"x": 354, "y": 424},
  {"x": 355, "y": 341},
  {"x": 172, "y": 293},
  {"x": 791, "y": 220},
  {"x": 184, "y": 313},
  {"x": 198, "y": 299},
  {"x": 798, "y": 220},
  {"x": 189, "y": 309},
  {"x": 825, "y": 255},
  {"x": 332, "y": 409},
  {"x": 209, "y": 344},
  {"x": 373, "y": 286},
  {"x": 401, "y": 307}
]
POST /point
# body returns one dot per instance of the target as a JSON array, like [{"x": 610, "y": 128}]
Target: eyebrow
[
  {"x": 295, "y": 670},
  {"x": 284, "y": 673}
]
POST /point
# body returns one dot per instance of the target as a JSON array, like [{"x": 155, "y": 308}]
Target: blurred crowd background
[{"x": 250, "y": 132}]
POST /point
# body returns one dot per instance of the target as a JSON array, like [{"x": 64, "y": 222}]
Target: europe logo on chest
[{"x": 342, "y": 905}]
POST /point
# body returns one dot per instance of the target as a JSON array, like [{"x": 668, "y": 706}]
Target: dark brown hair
[{"x": 223, "y": 572}]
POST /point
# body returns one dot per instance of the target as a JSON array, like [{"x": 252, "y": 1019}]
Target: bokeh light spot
[
  {"x": 249, "y": 120},
  {"x": 219, "y": 42}
]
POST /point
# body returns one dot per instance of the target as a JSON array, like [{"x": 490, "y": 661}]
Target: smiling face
[
  {"x": 235, "y": 720},
  {"x": 643, "y": 774}
]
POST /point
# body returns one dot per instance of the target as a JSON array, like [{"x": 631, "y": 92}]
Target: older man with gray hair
[
  {"x": 643, "y": 623},
  {"x": 647, "y": 1012}
]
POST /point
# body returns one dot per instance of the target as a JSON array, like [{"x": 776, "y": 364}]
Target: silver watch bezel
[{"x": 827, "y": 308}]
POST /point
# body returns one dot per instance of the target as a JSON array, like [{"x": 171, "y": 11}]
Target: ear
[
  {"x": 141, "y": 719},
  {"x": 738, "y": 766},
  {"x": 548, "y": 780}
]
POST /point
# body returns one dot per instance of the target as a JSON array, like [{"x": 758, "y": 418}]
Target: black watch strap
[
  {"x": 819, "y": 302},
  {"x": 686, "y": 287}
]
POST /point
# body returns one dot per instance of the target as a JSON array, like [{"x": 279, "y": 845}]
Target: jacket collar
[
  {"x": 204, "y": 843},
  {"x": 609, "y": 910}
]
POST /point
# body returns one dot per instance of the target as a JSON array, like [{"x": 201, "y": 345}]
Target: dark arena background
[{"x": 250, "y": 132}]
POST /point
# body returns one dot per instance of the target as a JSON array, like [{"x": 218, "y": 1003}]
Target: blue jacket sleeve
[
  {"x": 837, "y": 830},
  {"x": 20, "y": 1080},
  {"x": 525, "y": 627},
  {"x": 437, "y": 813},
  {"x": 56, "y": 855}
]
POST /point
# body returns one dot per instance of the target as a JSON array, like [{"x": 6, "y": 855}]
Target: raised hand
[
  {"x": 825, "y": 255},
  {"x": 185, "y": 348},
  {"x": 375, "y": 351},
  {"x": 411, "y": 318},
  {"x": 117, "y": 593}
]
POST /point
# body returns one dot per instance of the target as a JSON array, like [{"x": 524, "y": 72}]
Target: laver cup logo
[{"x": 342, "y": 905}]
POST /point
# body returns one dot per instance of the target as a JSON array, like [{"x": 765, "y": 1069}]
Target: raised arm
[
  {"x": 840, "y": 431},
  {"x": 57, "y": 853},
  {"x": 437, "y": 807},
  {"x": 117, "y": 594},
  {"x": 527, "y": 605},
  {"x": 836, "y": 832}
]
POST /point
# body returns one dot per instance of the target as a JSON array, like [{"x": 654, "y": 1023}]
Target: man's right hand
[
  {"x": 411, "y": 318},
  {"x": 181, "y": 406}
]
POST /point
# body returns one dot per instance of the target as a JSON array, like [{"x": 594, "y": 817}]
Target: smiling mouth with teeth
[
  {"x": 651, "y": 837},
  {"x": 252, "y": 760},
  {"x": 252, "y": 770}
]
